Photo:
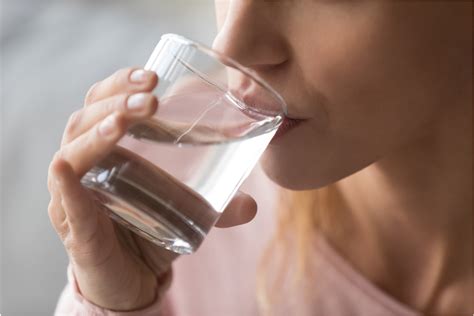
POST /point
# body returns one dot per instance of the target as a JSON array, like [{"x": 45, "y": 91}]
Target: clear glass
[{"x": 170, "y": 177}]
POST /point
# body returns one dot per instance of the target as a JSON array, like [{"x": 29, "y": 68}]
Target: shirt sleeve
[{"x": 72, "y": 303}]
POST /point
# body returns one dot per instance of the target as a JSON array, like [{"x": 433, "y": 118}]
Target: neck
[{"x": 410, "y": 219}]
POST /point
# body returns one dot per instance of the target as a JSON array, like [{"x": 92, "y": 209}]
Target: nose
[{"x": 251, "y": 36}]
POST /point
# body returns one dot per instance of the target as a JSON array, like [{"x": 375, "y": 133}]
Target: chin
[
  {"x": 287, "y": 174},
  {"x": 295, "y": 170}
]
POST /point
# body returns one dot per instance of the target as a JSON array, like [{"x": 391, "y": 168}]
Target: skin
[
  {"x": 385, "y": 88},
  {"x": 114, "y": 268}
]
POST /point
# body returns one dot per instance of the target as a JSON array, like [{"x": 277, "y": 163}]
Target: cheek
[
  {"x": 375, "y": 95},
  {"x": 373, "y": 82}
]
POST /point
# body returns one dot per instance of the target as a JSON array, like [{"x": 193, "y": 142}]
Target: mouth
[
  {"x": 272, "y": 107},
  {"x": 287, "y": 125},
  {"x": 263, "y": 105}
]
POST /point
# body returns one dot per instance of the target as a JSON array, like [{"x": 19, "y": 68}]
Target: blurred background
[{"x": 51, "y": 52}]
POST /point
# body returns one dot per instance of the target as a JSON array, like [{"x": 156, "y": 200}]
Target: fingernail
[
  {"x": 137, "y": 102},
  {"x": 107, "y": 126},
  {"x": 139, "y": 75}
]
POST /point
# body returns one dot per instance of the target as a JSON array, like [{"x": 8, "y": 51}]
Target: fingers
[
  {"x": 158, "y": 259},
  {"x": 132, "y": 106},
  {"x": 57, "y": 215},
  {"x": 85, "y": 230},
  {"x": 129, "y": 80},
  {"x": 76, "y": 204},
  {"x": 90, "y": 135},
  {"x": 242, "y": 209},
  {"x": 92, "y": 146},
  {"x": 55, "y": 209}
]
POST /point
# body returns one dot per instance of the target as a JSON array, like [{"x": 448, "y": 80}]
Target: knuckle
[
  {"x": 118, "y": 103},
  {"x": 121, "y": 121},
  {"x": 118, "y": 77},
  {"x": 90, "y": 95},
  {"x": 63, "y": 232},
  {"x": 51, "y": 185},
  {"x": 108, "y": 107},
  {"x": 73, "y": 122},
  {"x": 52, "y": 166},
  {"x": 58, "y": 158},
  {"x": 58, "y": 220},
  {"x": 53, "y": 207},
  {"x": 67, "y": 245},
  {"x": 52, "y": 177},
  {"x": 53, "y": 203},
  {"x": 58, "y": 155},
  {"x": 92, "y": 140},
  {"x": 70, "y": 245},
  {"x": 74, "y": 246}
]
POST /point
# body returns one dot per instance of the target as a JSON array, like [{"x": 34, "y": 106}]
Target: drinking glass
[{"x": 171, "y": 177}]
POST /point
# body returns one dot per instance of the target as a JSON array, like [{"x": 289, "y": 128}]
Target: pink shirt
[{"x": 219, "y": 279}]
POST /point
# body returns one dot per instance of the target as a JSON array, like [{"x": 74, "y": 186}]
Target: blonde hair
[{"x": 300, "y": 215}]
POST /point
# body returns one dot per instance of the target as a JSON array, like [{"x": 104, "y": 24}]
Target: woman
[{"x": 377, "y": 171}]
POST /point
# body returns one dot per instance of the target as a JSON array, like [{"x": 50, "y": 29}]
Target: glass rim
[{"x": 231, "y": 63}]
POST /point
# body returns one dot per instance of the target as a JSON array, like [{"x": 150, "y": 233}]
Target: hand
[{"x": 114, "y": 268}]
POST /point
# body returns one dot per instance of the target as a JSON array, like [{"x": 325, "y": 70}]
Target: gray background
[{"x": 51, "y": 52}]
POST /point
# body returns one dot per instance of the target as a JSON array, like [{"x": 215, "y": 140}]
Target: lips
[
  {"x": 287, "y": 125},
  {"x": 271, "y": 107}
]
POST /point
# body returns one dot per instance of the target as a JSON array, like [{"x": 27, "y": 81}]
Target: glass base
[
  {"x": 150, "y": 202},
  {"x": 148, "y": 228},
  {"x": 149, "y": 219}
]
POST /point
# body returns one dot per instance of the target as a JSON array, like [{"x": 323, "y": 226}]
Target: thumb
[
  {"x": 242, "y": 209},
  {"x": 78, "y": 204}
]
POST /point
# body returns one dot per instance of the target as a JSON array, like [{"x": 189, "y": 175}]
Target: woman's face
[{"x": 367, "y": 76}]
